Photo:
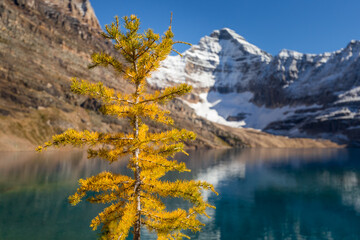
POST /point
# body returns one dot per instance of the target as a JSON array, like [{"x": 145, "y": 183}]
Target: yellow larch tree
[{"x": 136, "y": 202}]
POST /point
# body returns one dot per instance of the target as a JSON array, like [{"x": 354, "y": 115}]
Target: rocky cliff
[
  {"x": 43, "y": 44},
  {"x": 293, "y": 94}
]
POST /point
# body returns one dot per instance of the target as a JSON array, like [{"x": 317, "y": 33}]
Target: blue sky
[{"x": 308, "y": 26}]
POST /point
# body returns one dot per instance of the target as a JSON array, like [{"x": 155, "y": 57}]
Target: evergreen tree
[{"x": 136, "y": 202}]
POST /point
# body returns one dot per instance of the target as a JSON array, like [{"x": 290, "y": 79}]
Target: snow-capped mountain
[
  {"x": 294, "y": 94},
  {"x": 223, "y": 59}
]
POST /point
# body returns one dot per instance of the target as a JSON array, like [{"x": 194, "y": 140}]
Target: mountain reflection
[
  {"x": 263, "y": 193},
  {"x": 290, "y": 194},
  {"x": 50, "y": 166}
]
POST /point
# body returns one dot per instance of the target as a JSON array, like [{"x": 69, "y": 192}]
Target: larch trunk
[{"x": 137, "y": 190}]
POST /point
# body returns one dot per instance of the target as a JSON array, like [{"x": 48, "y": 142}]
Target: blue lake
[{"x": 263, "y": 194}]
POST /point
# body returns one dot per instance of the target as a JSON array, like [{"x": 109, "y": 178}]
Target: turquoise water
[{"x": 263, "y": 194}]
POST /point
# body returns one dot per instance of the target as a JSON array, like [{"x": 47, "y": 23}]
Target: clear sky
[{"x": 307, "y": 26}]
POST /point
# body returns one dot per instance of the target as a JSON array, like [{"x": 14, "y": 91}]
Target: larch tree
[{"x": 136, "y": 202}]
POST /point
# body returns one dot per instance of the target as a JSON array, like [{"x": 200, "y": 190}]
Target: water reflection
[
  {"x": 285, "y": 196},
  {"x": 264, "y": 194}
]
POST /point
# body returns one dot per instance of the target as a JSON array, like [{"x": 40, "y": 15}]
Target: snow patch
[
  {"x": 352, "y": 95},
  {"x": 343, "y": 113},
  {"x": 218, "y": 107},
  {"x": 203, "y": 108}
]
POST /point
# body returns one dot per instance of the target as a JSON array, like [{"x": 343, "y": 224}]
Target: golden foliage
[{"x": 135, "y": 202}]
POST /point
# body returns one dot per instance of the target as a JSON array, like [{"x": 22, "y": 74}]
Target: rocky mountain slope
[
  {"x": 293, "y": 94},
  {"x": 43, "y": 44}
]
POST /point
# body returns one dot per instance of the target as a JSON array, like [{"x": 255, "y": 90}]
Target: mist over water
[{"x": 263, "y": 194}]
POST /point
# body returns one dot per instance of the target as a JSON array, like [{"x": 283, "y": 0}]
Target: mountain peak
[
  {"x": 353, "y": 43},
  {"x": 226, "y": 34},
  {"x": 79, "y": 9},
  {"x": 285, "y": 53}
]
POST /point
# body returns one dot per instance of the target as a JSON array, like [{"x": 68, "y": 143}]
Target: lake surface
[{"x": 263, "y": 194}]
